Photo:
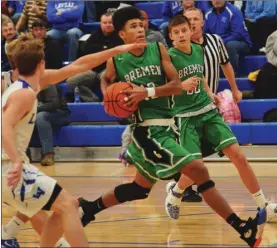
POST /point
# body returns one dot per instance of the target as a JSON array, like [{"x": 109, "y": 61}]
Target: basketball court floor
[{"x": 145, "y": 223}]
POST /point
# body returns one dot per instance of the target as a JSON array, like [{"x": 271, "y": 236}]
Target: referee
[{"x": 215, "y": 56}]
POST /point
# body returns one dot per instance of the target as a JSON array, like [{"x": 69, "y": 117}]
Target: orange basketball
[{"x": 113, "y": 103}]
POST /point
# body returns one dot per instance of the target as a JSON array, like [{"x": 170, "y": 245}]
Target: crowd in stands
[{"x": 243, "y": 26}]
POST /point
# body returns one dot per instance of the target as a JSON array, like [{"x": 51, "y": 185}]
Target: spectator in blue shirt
[
  {"x": 260, "y": 17},
  {"x": 226, "y": 20},
  {"x": 66, "y": 16},
  {"x": 15, "y": 9}
]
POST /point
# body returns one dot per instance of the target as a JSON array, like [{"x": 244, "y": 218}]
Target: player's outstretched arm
[
  {"x": 84, "y": 64},
  {"x": 18, "y": 105},
  {"x": 108, "y": 76}
]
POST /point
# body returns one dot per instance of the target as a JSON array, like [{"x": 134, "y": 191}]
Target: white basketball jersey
[
  {"x": 24, "y": 128},
  {"x": 7, "y": 75}
]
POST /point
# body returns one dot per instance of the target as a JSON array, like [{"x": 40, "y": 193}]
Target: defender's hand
[{"x": 14, "y": 175}]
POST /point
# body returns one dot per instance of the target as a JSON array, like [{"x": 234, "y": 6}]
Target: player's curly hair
[
  {"x": 24, "y": 53},
  {"x": 123, "y": 15}
]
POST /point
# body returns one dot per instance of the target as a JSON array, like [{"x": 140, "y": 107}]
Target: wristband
[{"x": 151, "y": 92}]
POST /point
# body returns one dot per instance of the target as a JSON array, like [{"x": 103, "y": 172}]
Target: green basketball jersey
[
  {"x": 145, "y": 70},
  {"x": 189, "y": 65}
]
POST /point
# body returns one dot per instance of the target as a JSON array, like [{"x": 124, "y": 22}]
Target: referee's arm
[{"x": 228, "y": 71}]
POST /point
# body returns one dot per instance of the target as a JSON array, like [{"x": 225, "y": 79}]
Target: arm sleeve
[{"x": 223, "y": 54}]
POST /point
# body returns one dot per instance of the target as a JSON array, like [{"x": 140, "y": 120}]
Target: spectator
[
  {"x": 4, "y": 8},
  {"x": 15, "y": 9},
  {"x": 52, "y": 114},
  {"x": 259, "y": 16},
  {"x": 266, "y": 84},
  {"x": 204, "y": 6},
  {"x": 9, "y": 34},
  {"x": 226, "y": 20},
  {"x": 52, "y": 48},
  {"x": 66, "y": 16},
  {"x": 151, "y": 35},
  {"x": 170, "y": 8},
  {"x": 33, "y": 10},
  {"x": 104, "y": 38},
  {"x": 90, "y": 12}
]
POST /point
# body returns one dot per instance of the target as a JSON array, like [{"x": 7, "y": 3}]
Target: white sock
[
  {"x": 13, "y": 227},
  {"x": 260, "y": 199},
  {"x": 62, "y": 243},
  {"x": 177, "y": 189}
]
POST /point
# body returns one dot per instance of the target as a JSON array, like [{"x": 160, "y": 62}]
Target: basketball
[{"x": 113, "y": 100}]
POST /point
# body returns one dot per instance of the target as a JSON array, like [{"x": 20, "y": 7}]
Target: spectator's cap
[
  {"x": 39, "y": 23},
  {"x": 123, "y": 15},
  {"x": 271, "y": 49}
]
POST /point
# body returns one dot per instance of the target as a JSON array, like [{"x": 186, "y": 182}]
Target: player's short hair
[
  {"x": 25, "y": 53},
  {"x": 194, "y": 9},
  {"x": 123, "y": 15},
  {"x": 177, "y": 20}
]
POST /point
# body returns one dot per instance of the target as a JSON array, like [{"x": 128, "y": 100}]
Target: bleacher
[{"x": 92, "y": 127}]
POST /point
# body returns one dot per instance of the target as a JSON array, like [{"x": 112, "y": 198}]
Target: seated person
[
  {"x": 9, "y": 34},
  {"x": 102, "y": 39},
  {"x": 15, "y": 9},
  {"x": 52, "y": 48},
  {"x": 52, "y": 114},
  {"x": 259, "y": 17},
  {"x": 33, "y": 10},
  {"x": 226, "y": 20},
  {"x": 66, "y": 17},
  {"x": 266, "y": 83}
]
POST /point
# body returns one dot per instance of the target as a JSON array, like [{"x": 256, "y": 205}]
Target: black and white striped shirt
[{"x": 215, "y": 55}]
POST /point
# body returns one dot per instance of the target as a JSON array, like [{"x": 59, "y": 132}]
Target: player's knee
[
  {"x": 198, "y": 169},
  {"x": 130, "y": 192},
  {"x": 66, "y": 203},
  {"x": 205, "y": 186}
]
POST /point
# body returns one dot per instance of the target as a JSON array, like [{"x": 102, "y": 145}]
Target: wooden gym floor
[{"x": 145, "y": 223}]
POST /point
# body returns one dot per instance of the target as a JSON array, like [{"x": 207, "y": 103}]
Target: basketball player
[
  {"x": 25, "y": 187},
  {"x": 198, "y": 118},
  {"x": 154, "y": 150}
]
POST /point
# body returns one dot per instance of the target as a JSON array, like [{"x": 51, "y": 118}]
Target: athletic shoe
[
  {"x": 84, "y": 213},
  {"x": 8, "y": 243},
  {"x": 252, "y": 230},
  {"x": 172, "y": 201}
]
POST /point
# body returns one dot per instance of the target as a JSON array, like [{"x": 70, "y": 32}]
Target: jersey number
[
  {"x": 32, "y": 119},
  {"x": 196, "y": 90}
]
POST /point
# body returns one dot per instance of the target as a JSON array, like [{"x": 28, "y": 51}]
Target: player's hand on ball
[
  {"x": 14, "y": 175},
  {"x": 190, "y": 83},
  {"x": 129, "y": 47},
  {"x": 134, "y": 96}
]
